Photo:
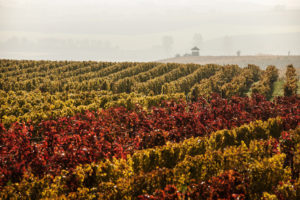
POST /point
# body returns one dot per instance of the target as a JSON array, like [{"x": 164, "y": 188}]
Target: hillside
[
  {"x": 263, "y": 61},
  {"x": 69, "y": 87},
  {"x": 147, "y": 131}
]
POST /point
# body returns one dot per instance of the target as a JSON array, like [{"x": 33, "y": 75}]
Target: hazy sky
[{"x": 134, "y": 29}]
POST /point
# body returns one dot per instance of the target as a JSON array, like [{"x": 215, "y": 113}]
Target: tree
[
  {"x": 198, "y": 40},
  {"x": 290, "y": 86},
  {"x": 167, "y": 43},
  {"x": 227, "y": 45}
]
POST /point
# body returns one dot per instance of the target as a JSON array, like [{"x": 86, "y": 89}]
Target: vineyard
[{"x": 105, "y": 130}]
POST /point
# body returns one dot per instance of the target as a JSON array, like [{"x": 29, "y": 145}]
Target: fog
[{"x": 146, "y": 30}]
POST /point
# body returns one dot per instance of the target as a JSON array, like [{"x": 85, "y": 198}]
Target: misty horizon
[{"x": 146, "y": 30}]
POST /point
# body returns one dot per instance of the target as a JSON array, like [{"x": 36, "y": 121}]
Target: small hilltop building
[{"x": 195, "y": 51}]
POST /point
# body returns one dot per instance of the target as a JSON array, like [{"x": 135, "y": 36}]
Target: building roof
[{"x": 195, "y": 48}]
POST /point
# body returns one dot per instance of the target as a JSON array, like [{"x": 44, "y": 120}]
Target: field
[
  {"x": 262, "y": 60},
  {"x": 131, "y": 130}
]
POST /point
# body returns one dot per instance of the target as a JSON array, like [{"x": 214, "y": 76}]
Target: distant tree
[
  {"x": 227, "y": 45},
  {"x": 167, "y": 43},
  {"x": 198, "y": 40},
  {"x": 290, "y": 86}
]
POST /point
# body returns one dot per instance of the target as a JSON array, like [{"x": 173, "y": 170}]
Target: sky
[{"x": 138, "y": 30}]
